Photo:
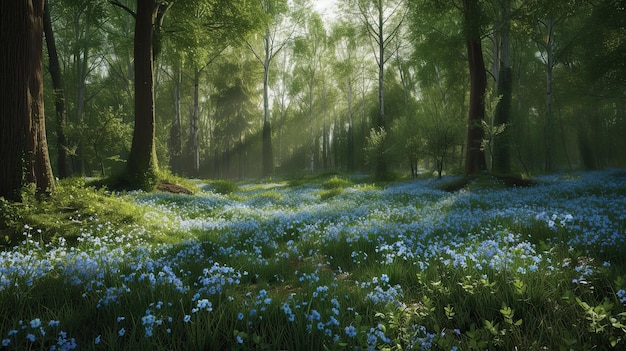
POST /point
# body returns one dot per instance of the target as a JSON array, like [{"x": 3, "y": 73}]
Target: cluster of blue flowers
[{"x": 457, "y": 230}]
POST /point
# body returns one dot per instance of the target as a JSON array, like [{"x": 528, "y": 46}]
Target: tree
[
  {"x": 472, "y": 19},
  {"x": 503, "y": 73},
  {"x": 555, "y": 38},
  {"x": 59, "y": 96},
  {"x": 142, "y": 167},
  {"x": 277, "y": 32},
  {"x": 382, "y": 21},
  {"x": 344, "y": 39},
  {"x": 308, "y": 50},
  {"x": 23, "y": 145}
]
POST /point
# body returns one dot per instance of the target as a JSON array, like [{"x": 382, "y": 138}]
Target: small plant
[
  {"x": 336, "y": 183},
  {"x": 330, "y": 193},
  {"x": 224, "y": 186}
]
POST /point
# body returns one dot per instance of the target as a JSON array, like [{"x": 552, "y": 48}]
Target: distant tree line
[{"x": 223, "y": 89}]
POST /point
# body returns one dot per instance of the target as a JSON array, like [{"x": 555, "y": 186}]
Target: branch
[{"x": 126, "y": 8}]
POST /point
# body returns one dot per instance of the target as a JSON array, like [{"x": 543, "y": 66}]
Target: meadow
[{"x": 329, "y": 263}]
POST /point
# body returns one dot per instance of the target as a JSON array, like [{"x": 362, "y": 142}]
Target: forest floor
[{"x": 328, "y": 263}]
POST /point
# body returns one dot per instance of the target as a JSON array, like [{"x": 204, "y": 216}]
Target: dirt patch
[{"x": 173, "y": 188}]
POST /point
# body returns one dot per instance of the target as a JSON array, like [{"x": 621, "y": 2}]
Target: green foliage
[
  {"x": 223, "y": 186},
  {"x": 65, "y": 213},
  {"x": 378, "y": 153},
  {"x": 330, "y": 193},
  {"x": 105, "y": 139},
  {"x": 336, "y": 182}
]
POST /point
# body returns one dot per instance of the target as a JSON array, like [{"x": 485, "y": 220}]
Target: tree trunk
[
  {"x": 42, "y": 170},
  {"x": 175, "y": 141},
  {"x": 350, "y": 161},
  {"x": 502, "y": 145},
  {"x": 23, "y": 145},
  {"x": 548, "y": 124},
  {"x": 59, "y": 95},
  {"x": 15, "y": 22},
  {"x": 194, "y": 123},
  {"x": 142, "y": 167},
  {"x": 380, "y": 171},
  {"x": 268, "y": 155},
  {"x": 475, "y": 157}
]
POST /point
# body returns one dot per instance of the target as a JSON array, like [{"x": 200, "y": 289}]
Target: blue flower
[
  {"x": 122, "y": 332},
  {"x": 97, "y": 339},
  {"x": 187, "y": 318},
  {"x": 31, "y": 337},
  {"x": 350, "y": 331},
  {"x": 315, "y": 316},
  {"x": 35, "y": 323}
]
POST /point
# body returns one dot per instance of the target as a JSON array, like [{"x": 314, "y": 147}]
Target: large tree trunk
[
  {"x": 14, "y": 106},
  {"x": 23, "y": 146},
  {"x": 475, "y": 157},
  {"x": 142, "y": 167},
  {"x": 59, "y": 95}
]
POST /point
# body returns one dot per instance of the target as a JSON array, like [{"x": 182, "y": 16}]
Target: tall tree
[
  {"x": 475, "y": 161},
  {"x": 382, "y": 20},
  {"x": 308, "y": 50},
  {"x": 142, "y": 166},
  {"x": 23, "y": 145},
  {"x": 344, "y": 38},
  {"x": 63, "y": 167},
  {"x": 277, "y": 32},
  {"x": 555, "y": 39},
  {"x": 503, "y": 74}
]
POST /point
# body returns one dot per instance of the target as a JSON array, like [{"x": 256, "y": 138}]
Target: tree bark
[
  {"x": 475, "y": 157},
  {"x": 14, "y": 107},
  {"x": 175, "y": 140},
  {"x": 195, "y": 122},
  {"x": 63, "y": 167},
  {"x": 23, "y": 145},
  {"x": 268, "y": 154},
  {"x": 41, "y": 173},
  {"x": 142, "y": 167}
]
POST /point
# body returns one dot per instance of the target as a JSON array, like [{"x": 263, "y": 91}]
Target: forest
[
  {"x": 260, "y": 88},
  {"x": 312, "y": 175}
]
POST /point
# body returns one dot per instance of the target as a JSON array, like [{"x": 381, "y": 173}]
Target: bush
[
  {"x": 378, "y": 153},
  {"x": 336, "y": 183},
  {"x": 224, "y": 186}
]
